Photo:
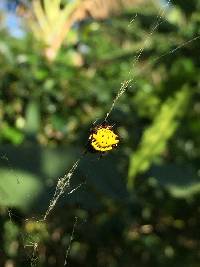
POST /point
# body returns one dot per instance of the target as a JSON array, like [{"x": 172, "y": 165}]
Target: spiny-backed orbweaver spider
[{"x": 103, "y": 138}]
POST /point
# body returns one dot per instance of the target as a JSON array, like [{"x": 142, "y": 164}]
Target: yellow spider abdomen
[{"x": 103, "y": 139}]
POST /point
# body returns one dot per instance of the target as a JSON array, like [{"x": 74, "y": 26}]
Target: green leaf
[
  {"x": 181, "y": 181},
  {"x": 32, "y": 117},
  {"x": 18, "y": 188},
  {"x": 11, "y": 134},
  {"x": 155, "y": 138}
]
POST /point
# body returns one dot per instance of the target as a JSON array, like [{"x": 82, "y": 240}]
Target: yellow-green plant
[
  {"x": 154, "y": 139},
  {"x": 50, "y": 24}
]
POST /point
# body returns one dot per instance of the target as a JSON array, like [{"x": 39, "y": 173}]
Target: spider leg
[{"x": 101, "y": 155}]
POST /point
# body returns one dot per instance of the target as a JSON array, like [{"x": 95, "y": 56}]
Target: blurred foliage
[
  {"x": 155, "y": 138},
  {"x": 137, "y": 206},
  {"x": 52, "y": 20}
]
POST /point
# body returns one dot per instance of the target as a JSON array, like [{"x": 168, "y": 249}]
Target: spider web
[{"x": 63, "y": 185}]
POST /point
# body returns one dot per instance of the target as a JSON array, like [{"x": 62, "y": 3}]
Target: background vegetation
[{"x": 137, "y": 206}]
